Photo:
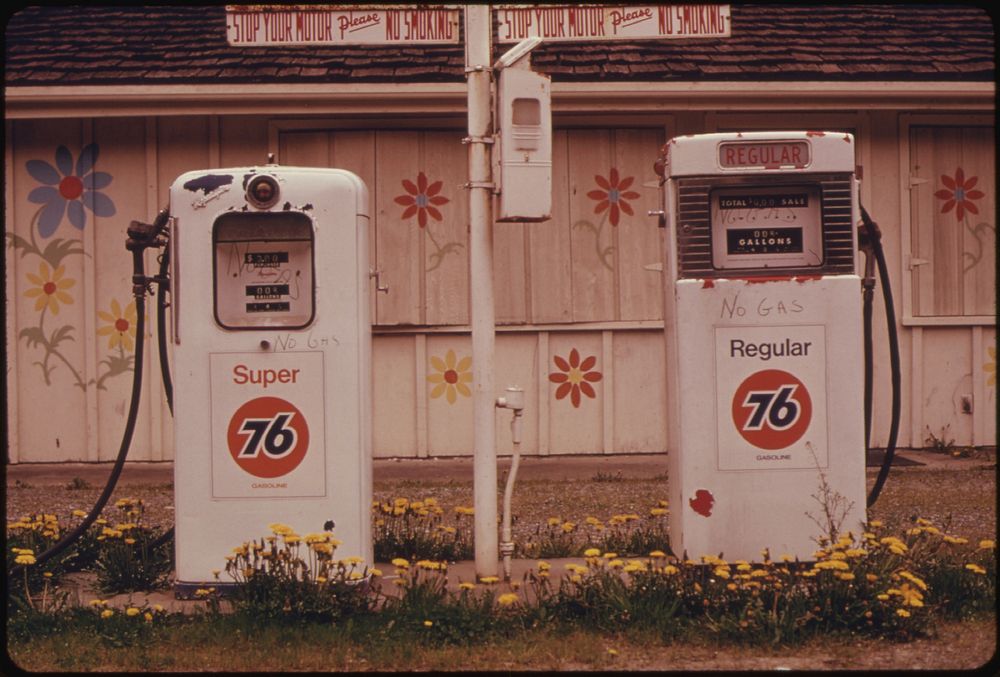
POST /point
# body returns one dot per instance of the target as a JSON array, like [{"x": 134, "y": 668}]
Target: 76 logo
[
  {"x": 268, "y": 437},
  {"x": 771, "y": 409}
]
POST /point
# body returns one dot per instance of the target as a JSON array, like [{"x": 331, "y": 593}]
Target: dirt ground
[{"x": 958, "y": 492}]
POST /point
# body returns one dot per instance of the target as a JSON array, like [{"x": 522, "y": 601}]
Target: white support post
[{"x": 478, "y": 36}]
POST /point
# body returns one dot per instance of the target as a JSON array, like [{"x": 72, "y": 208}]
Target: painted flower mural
[
  {"x": 68, "y": 189},
  {"x": 119, "y": 325},
  {"x": 959, "y": 193},
  {"x": 613, "y": 195},
  {"x": 575, "y": 376},
  {"x": 450, "y": 377},
  {"x": 49, "y": 288},
  {"x": 422, "y": 199}
]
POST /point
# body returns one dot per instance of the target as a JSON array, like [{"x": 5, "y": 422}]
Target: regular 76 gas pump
[
  {"x": 272, "y": 350},
  {"x": 764, "y": 342}
]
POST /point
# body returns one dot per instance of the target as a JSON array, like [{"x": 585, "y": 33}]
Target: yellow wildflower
[
  {"x": 591, "y": 552},
  {"x": 657, "y": 554},
  {"x": 131, "y": 611},
  {"x": 107, "y": 613},
  {"x": 467, "y": 586},
  {"x": 507, "y": 599},
  {"x": 987, "y": 544},
  {"x": 903, "y": 613},
  {"x": 401, "y": 563},
  {"x": 913, "y": 579},
  {"x": 975, "y": 568},
  {"x": 489, "y": 580}
]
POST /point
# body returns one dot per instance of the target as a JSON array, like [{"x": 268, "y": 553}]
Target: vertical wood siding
[{"x": 579, "y": 309}]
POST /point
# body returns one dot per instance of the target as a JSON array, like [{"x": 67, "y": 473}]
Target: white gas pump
[
  {"x": 272, "y": 361},
  {"x": 764, "y": 342}
]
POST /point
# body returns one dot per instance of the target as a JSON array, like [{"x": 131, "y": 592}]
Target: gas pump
[
  {"x": 272, "y": 361},
  {"x": 763, "y": 329}
]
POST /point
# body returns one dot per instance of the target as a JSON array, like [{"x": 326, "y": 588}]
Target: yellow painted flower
[
  {"x": 50, "y": 288},
  {"x": 428, "y": 624},
  {"x": 450, "y": 377},
  {"x": 148, "y": 616},
  {"x": 107, "y": 613},
  {"x": 131, "y": 611},
  {"x": 544, "y": 566},
  {"x": 25, "y": 559},
  {"x": 467, "y": 586},
  {"x": 119, "y": 325},
  {"x": 902, "y": 613},
  {"x": 976, "y": 569},
  {"x": 591, "y": 552},
  {"x": 657, "y": 554},
  {"x": 987, "y": 544},
  {"x": 401, "y": 563}
]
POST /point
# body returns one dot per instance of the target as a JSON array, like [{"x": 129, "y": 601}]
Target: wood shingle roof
[{"x": 185, "y": 44}]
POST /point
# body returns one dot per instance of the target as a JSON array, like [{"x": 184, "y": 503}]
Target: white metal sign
[
  {"x": 560, "y": 23},
  {"x": 271, "y": 25},
  {"x": 771, "y": 397},
  {"x": 268, "y": 437}
]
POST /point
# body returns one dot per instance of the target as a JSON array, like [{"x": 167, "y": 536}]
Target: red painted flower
[
  {"x": 422, "y": 199},
  {"x": 614, "y": 195},
  {"x": 959, "y": 192},
  {"x": 574, "y": 377}
]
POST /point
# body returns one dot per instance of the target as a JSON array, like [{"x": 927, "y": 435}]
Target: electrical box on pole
[{"x": 523, "y": 149}]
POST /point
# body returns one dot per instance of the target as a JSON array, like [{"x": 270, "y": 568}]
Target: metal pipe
[
  {"x": 478, "y": 36},
  {"x": 514, "y": 401}
]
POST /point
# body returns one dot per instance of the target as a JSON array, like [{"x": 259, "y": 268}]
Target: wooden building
[{"x": 105, "y": 106}]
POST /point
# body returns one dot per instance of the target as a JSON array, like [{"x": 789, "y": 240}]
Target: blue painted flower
[{"x": 66, "y": 191}]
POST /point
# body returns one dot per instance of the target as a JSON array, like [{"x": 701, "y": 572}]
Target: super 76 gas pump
[
  {"x": 272, "y": 361},
  {"x": 764, "y": 342}
]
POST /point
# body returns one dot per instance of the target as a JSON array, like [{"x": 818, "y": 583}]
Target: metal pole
[{"x": 478, "y": 36}]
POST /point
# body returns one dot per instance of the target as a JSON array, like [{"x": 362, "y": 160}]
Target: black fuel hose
[
  {"x": 162, "y": 287},
  {"x": 133, "y": 410},
  {"x": 138, "y": 241},
  {"x": 875, "y": 238}
]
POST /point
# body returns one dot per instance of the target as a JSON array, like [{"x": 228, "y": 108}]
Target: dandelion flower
[
  {"x": 976, "y": 569},
  {"x": 25, "y": 559},
  {"x": 428, "y": 624},
  {"x": 591, "y": 552},
  {"x": 107, "y": 613},
  {"x": 507, "y": 599},
  {"x": 902, "y": 613},
  {"x": 401, "y": 563},
  {"x": 489, "y": 580},
  {"x": 657, "y": 554},
  {"x": 467, "y": 586},
  {"x": 131, "y": 611},
  {"x": 987, "y": 544}
]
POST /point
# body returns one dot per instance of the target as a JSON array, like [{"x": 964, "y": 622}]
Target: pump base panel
[{"x": 767, "y": 415}]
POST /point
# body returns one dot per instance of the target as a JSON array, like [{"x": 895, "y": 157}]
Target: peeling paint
[
  {"x": 702, "y": 502},
  {"x": 209, "y": 183}
]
